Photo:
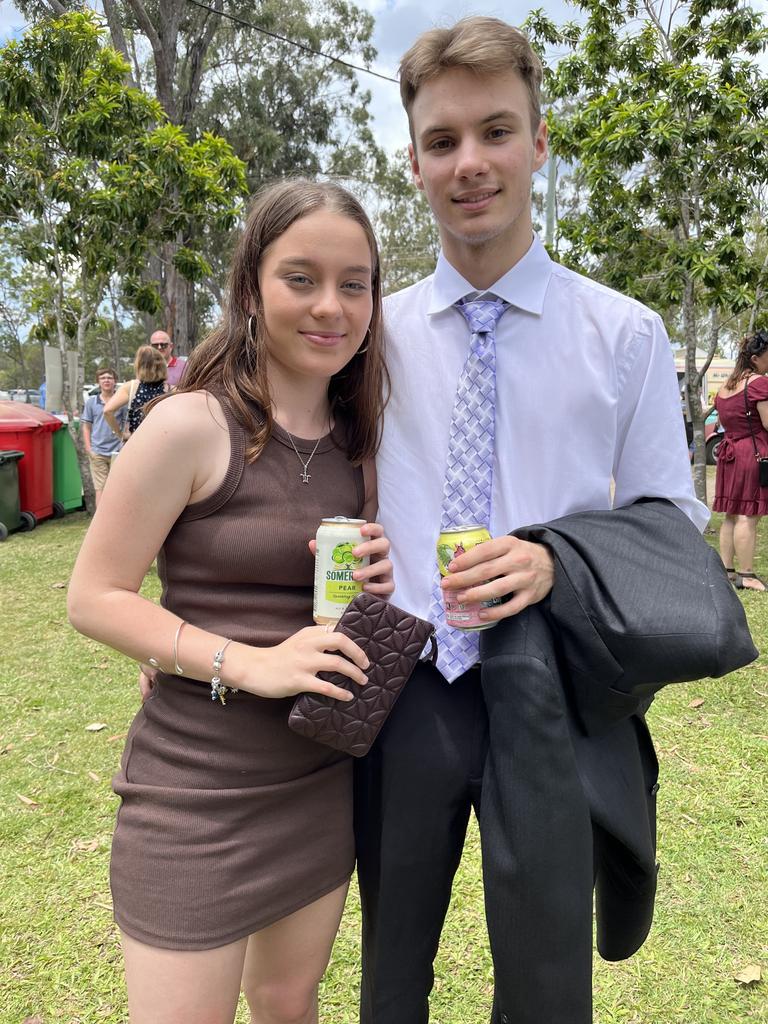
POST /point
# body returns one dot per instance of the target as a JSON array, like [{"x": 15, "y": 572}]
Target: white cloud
[
  {"x": 399, "y": 22},
  {"x": 11, "y": 21}
]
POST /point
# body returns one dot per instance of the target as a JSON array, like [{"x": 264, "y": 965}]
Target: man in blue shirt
[{"x": 100, "y": 442}]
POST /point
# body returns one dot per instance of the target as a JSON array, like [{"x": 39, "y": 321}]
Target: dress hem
[
  {"x": 240, "y": 933},
  {"x": 736, "y": 507}
]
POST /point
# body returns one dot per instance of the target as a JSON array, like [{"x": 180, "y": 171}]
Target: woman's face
[
  {"x": 316, "y": 291},
  {"x": 760, "y": 362}
]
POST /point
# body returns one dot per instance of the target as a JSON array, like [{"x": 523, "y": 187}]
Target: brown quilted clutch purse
[{"x": 393, "y": 641}]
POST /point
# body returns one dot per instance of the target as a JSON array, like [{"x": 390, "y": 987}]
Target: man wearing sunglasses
[{"x": 176, "y": 364}]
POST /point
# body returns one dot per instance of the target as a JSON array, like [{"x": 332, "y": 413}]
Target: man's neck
[
  {"x": 482, "y": 265},
  {"x": 105, "y": 395}
]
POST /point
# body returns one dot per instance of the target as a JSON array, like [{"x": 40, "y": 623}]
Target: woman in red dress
[{"x": 737, "y": 489}]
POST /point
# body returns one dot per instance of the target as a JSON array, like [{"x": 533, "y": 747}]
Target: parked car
[
  {"x": 29, "y": 395},
  {"x": 713, "y": 434}
]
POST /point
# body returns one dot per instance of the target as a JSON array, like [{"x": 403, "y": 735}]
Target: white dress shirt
[{"x": 586, "y": 392}]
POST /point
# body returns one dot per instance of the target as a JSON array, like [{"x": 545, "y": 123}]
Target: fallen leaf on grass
[
  {"x": 94, "y": 776},
  {"x": 85, "y": 846},
  {"x": 96, "y": 727},
  {"x": 26, "y": 801},
  {"x": 117, "y": 736},
  {"x": 58, "y": 586},
  {"x": 9, "y": 747},
  {"x": 696, "y": 703},
  {"x": 749, "y": 976}
]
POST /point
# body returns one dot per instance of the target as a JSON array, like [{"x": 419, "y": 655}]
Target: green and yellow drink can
[
  {"x": 450, "y": 544},
  {"x": 334, "y": 565}
]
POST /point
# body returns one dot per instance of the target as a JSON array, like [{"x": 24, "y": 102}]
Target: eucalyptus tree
[
  {"x": 95, "y": 177},
  {"x": 251, "y": 71},
  {"x": 668, "y": 123}
]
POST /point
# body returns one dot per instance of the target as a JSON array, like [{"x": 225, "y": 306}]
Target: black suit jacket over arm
[{"x": 639, "y": 600}]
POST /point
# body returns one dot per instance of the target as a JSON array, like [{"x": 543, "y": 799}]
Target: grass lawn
[{"x": 59, "y": 955}]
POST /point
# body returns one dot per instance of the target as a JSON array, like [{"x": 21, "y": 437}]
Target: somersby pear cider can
[
  {"x": 334, "y": 565},
  {"x": 450, "y": 544}
]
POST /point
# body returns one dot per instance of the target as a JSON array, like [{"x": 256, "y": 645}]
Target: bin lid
[
  {"x": 23, "y": 416},
  {"x": 10, "y": 457}
]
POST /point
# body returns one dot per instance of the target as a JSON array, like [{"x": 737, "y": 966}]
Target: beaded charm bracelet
[{"x": 217, "y": 689}]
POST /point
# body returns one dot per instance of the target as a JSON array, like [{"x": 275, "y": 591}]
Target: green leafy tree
[
  {"x": 95, "y": 176},
  {"x": 284, "y": 110},
  {"x": 669, "y": 129},
  {"x": 407, "y": 231}
]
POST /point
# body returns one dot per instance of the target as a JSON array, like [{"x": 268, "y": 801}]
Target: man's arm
[
  {"x": 652, "y": 459},
  {"x": 86, "y": 422}
]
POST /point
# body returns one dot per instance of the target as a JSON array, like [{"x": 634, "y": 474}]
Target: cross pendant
[{"x": 305, "y": 476}]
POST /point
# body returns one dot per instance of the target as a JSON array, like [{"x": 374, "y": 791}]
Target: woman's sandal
[
  {"x": 735, "y": 579},
  {"x": 762, "y": 589}
]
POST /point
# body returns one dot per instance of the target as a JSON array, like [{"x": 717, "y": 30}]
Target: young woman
[
  {"x": 737, "y": 487},
  {"x": 148, "y": 384},
  {"x": 233, "y": 846}
]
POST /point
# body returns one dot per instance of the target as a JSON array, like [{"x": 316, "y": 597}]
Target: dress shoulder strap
[{"x": 228, "y": 486}]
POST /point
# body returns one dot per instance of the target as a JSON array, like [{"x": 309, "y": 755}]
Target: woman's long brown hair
[
  {"x": 752, "y": 345},
  {"x": 232, "y": 361}
]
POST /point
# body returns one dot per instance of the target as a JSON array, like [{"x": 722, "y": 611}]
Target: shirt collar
[{"x": 524, "y": 285}]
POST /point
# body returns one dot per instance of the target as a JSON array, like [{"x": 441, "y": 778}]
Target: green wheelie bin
[
  {"x": 67, "y": 482},
  {"x": 10, "y": 511}
]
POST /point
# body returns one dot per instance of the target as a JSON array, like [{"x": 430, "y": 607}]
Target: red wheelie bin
[{"x": 28, "y": 429}]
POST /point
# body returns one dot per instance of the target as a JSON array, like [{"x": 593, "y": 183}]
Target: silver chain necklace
[{"x": 305, "y": 476}]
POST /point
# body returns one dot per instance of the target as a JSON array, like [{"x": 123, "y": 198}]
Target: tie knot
[{"x": 482, "y": 315}]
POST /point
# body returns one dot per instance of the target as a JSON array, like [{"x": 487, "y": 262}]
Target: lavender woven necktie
[{"x": 469, "y": 468}]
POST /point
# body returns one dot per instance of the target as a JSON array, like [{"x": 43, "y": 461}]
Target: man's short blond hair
[{"x": 487, "y": 46}]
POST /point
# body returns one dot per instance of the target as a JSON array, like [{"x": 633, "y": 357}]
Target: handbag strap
[
  {"x": 748, "y": 412},
  {"x": 432, "y": 656}
]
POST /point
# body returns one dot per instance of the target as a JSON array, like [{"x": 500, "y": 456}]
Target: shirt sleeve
[
  {"x": 652, "y": 458},
  {"x": 86, "y": 416},
  {"x": 757, "y": 390}
]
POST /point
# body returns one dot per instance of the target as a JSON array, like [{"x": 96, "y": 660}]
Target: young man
[
  {"x": 519, "y": 391},
  {"x": 176, "y": 364},
  {"x": 100, "y": 442}
]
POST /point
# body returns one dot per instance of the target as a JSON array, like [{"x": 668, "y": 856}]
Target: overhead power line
[{"x": 292, "y": 42}]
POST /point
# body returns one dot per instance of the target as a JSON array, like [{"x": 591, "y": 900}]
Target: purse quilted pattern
[{"x": 393, "y": 641}]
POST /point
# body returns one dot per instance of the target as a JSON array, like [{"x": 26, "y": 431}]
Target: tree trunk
[
  {"x": 693, "y": 392},
  {"x": 82, "y": 456},
  {"x": 178, "y": 298}
]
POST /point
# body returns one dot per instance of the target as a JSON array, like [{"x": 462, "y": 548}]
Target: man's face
[
  {"x": 474, "y": 157},
  {"x": 163, "y": 344},
  {"x": 106, "y": 383}
]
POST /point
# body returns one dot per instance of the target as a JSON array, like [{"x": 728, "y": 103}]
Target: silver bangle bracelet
[
  {"x": 176, "y": 666},
  {"x": 217, "y": 689}
]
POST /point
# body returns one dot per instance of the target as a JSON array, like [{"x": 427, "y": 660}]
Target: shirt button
[{"x": 654, "y": 789}]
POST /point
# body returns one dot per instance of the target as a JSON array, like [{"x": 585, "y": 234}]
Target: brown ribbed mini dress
[{"x": 229, "y": 821}]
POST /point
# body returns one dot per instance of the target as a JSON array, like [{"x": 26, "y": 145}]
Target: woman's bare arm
[
  {"x": 116, "y": 402},
  {"x": 180, "y": 454}
]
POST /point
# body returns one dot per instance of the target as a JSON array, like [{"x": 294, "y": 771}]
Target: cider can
[
  {"x": 452, "y": 542},
  {"x": 334, "y": 565}
]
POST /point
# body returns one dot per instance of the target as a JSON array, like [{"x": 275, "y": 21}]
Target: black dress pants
[{"x": 413, "y": 796}]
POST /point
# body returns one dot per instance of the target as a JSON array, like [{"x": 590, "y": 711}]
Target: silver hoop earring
[
  {"x": 250, "y": 329},
  {"x": 367, "y": 339}
]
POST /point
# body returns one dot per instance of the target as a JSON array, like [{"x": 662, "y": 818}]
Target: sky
[{"x": 398, "y": 23}]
